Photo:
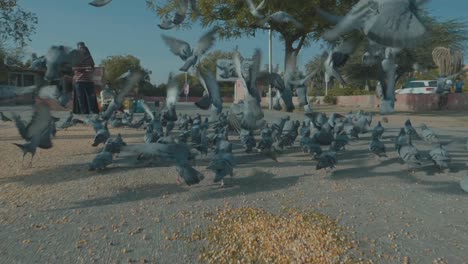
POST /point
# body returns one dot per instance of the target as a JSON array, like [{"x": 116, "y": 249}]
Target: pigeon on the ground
[
  {"x": 326, "y": 160},
  {"x": 376, "y": 146},
  {"x": 101, "y": 161},
  {"x": 428, "y": 134},
  {"x": 101, "y": 136},
  {"x": 440, "y": 156}
]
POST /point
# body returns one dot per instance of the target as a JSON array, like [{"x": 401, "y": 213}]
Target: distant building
[{"x": 20, "y": 77}]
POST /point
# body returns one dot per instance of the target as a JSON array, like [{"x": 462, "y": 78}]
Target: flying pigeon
[
  {"x": 186, "y": 53},
  {"x": 99, "y": 3},
  {"x": 393, "y": 23}
]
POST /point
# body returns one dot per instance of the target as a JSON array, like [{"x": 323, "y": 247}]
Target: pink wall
[{"x": 407, "y": 102}]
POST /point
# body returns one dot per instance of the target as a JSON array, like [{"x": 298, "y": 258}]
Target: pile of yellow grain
[{"x": 252, "y": 235}]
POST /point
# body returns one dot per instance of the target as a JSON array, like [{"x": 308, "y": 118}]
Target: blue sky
[{"x": 128, "y": 27}]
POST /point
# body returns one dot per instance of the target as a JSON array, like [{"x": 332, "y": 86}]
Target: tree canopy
[
  {"x": 115, "y": 66},
  {"x": 16, "y": 24},
  {"x": 234, "y": 20}
]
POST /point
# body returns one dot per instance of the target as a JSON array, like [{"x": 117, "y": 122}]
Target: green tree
[
  {"x": 115, "y": 66},
  {"x": 234, "y": 20},
  {"x": 17, "y": 24}
]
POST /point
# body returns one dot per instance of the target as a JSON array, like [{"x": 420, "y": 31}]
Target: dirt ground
[{"x": 59, "y": 212}]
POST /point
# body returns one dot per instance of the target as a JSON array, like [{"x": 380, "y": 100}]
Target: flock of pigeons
[{"x": 181, "y": 138}]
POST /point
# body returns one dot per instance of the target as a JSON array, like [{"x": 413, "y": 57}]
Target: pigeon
[
  {"x": 326, "y": 160},
  {"x": 186, "y": 53},
  {"x": 222, "y": 165},
  {"x": 393, "y": 23},
  {"x": 282, "y": 18},
  {"x": 338, "y": 57},
  {"x": 99, "y": 3},
  {"x": 117, "y": 102},
  {"x": 36, "y": 133},
  {"x": 340, "y": 141},
  {"x": 178, "y": 152},
  {"x": 101, "y": 161},
  {"x": 247, "y": 139},
  {"x": 209, "y": 83},
  {"x": 101, "y": 136},
  {"x": 172, "y": 96},
  {"x": 376, "y": 146},
  {"x": 266, "y": 139},
  {"x": 252, "y": 110},
  {"x": 440, "y": 157},
  {"x": 428, "y": 134},
  {"x": 410, "y": 130},
  {"x": 254, "y": 10},
  {"x": 323, "y": 136},
  {"x": 410, "y": 155},
  {"x": 309, "y": 145},
  {"x": 378, "y": 130},
  {"x": 114, "y": 145},
  {"x": 5, "y": 118},
  {"x": 59, "y": 57},
  {"x": 179, "y": 16},
  {"x": 402, "y": 139}
]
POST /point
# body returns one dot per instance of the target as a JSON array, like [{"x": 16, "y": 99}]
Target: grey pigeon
[
  {"x": 178, "y": 18},
  {"x": 36, "y": 133},
  {"x": 172, "y": 96},
  {"x": 323, "y": 136},
  {"x": 340, "y": 141},
  {"x": 266, "y": 139},
  {"x": 428, "y": 134},
  {"x": 410, "y": 155},
  {"x": 186, "y": 53},
  {"x": 247, "y": 139},
  {"x": 378, "y": 130},
  {"x": 440, "y": 156},
  {"x": 326, "y": 160},
  {"x": 376, "y": 146},
  {"x": 254, "y": 10},
  {"x": 116, "y": 103},
  {"x": 402, "y": 139},
  {"x": 209, "y": 83},
  {"x": 282, "y": 17},
  {"x": 114, "y": 145},
  {"x": 101, "y": 136},
  {"x": 59, "y": 57},
  {"x": 222, "y": 165},
  {"x": 410, "y": 130},
  {"x": 338, "y": 57},
  {"x": 99, "y": 3},
  {"x": 392, "y": 23},
  {"x": 101, "y": 161},
  {"x": 190, "y": 175}
]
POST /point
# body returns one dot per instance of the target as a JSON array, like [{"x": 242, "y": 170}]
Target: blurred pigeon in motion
[
  {"x": 410, "y": 155},
  {"x": 180, "y": 153},
  {"x": 247, "y": 139},
  {"x": 114, "y": 145},
  {"x": 340, "y": 141},
  {"x": 222, "y": 164},
  {"x": 393, "y": 23},
  {"x": 209, "y": 83},
  {"x": 440, "y": 157},
  {"x": 101, "y": 161},
  {"x": 254, "y": 10},
  {"x": 281, "y": 17},
  {"x": 99, "y": 3},
  {"x": 338, "y": 57},
  {"x": 172, "y": 96},
  {"x": 304, "y": 128},
  {"x": 179, "y": 16},
  {"x": 116, "y": 103},
  {"x": 376, "y": 146},
  {"x": 290, "y": 134},
  {"x": 251, "y": 111},
  {"x": 266, "y": 139},
  {"x": 60, "y": 59},
  {"x": 5, "y": 118},
  {"x": 38, "y": 63},
  {"x": 428, "y": 134},
  {"x": 278, "y": 126},
  {"x": 309, "y": 145},
  {"x": 186, "y": 53},
  {"x": 301, "y": 88},
  {"x": 326, "y": 160},
  {"x": 36, "y": 133},
  {"x": 102, "y": 135},
  {"x": 378, "y": 130}
]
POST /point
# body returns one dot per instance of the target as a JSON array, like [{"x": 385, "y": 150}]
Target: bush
[{"x": 329, "y": 99}]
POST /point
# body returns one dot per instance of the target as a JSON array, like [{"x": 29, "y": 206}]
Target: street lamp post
[{"x": 270, "y": 55}]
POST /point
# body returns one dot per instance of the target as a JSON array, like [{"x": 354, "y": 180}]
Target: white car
[{"x": 418, "y": 87}]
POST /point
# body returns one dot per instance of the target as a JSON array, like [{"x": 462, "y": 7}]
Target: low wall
[{"x": 407, "y": 102}]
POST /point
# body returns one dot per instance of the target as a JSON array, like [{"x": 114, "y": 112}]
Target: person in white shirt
[{"x": 107, "y": 95}]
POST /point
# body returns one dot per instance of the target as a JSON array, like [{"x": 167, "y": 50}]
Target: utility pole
[{"x": 270, "y": 55}]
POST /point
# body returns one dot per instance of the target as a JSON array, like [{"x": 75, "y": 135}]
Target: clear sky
[{"x": 128, "y": 27}]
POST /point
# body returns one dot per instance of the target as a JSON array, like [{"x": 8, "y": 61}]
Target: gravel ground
[{"x": 59, "y": 212}]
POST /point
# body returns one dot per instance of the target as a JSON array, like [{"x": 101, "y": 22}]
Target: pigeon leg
[
  {"x": 30, "y": 162},
  {"x": 222, "y": 184},
  {"x": 178, "y": 181}
]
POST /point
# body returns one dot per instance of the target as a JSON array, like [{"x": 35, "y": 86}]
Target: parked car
[{"x": 418, "y": 87}]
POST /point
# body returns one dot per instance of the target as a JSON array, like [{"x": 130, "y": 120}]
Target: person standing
[{"x": 85, "y": 100}]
